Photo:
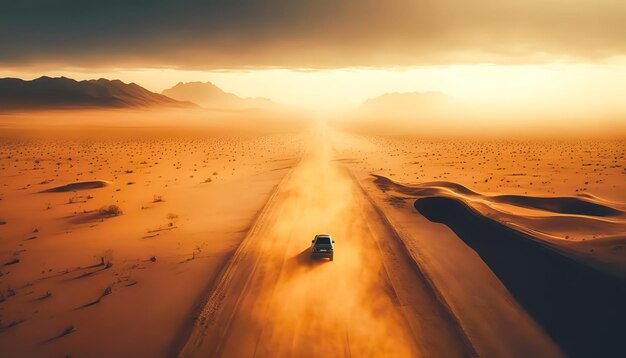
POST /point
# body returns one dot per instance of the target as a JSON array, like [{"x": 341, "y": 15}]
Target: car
[{"x": 322, "y": 246}]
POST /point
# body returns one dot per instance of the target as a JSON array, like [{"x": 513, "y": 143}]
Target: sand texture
[{"x": 180, "y": 239}]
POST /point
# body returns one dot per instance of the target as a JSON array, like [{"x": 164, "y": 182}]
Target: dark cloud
[{"x": 306, "y": 33}]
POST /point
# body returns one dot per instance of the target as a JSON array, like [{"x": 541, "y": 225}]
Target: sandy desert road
[{"x": 272, "y": 300}]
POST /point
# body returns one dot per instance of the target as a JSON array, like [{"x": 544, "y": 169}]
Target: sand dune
[
  {"x": 553, "y": 220},
  {"x": 84, "y": 185},
  {"x": 579, "y": 305},
  {"x": 563, "y": 205}
]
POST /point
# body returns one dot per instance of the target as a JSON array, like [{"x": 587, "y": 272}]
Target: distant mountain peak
[{"x": 208, "y": 95}]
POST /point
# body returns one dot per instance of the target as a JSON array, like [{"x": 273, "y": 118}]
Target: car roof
[{"x": 322, "y": 235}]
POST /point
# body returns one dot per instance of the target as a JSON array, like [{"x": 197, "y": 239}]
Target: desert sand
[
  {"x": 112, "y": 235},
  {"x": 527, "y": 235},
  {"x": 123, "y": 238}
]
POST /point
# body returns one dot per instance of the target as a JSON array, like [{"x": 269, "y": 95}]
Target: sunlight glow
[{"x": 594, "y": 86}]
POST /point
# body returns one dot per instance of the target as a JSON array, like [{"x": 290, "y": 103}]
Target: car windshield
[{"x": 323, "y": 241}]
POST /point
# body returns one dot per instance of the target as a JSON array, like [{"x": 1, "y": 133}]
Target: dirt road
[{"x": 272, "y": 300}]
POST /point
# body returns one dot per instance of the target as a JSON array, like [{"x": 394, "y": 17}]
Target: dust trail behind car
[{"x": 273, "y": 300}]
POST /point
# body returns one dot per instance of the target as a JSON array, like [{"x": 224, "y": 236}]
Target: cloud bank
[{"x": 307, "y": 33}]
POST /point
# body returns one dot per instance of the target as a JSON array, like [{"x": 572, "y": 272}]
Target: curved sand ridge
[
  {"x": 83, "y": 185},
  {"x": 556, "y": 281},
  {"x": 563, "y": 220},
  {"x": 590, "y": 206}
]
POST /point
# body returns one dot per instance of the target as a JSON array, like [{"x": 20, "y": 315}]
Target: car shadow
[{"x": 304, "y": 260}]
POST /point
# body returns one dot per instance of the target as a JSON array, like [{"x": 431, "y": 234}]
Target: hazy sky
[
  {"x": 307, "y": 33},
  {"x": 335, "y": 51}
]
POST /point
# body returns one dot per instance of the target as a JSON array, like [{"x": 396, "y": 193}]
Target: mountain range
[{"x": 65, "y": 93}]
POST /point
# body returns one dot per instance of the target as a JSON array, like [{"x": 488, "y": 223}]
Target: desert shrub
[{"x": 110, "y": 210}]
